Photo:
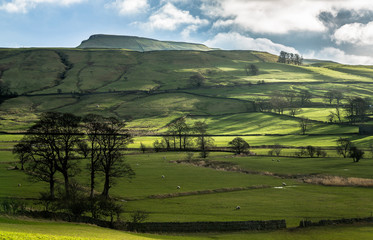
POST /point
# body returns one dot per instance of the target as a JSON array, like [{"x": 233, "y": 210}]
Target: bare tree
[
  {"x": 51, "y": 142},
  {"x": 304, "y": 124},
  {"x": 203, "y": 142},
  {"x": 112, "y": 141},
  {"x": 305, "y": 97},
  {"x": 343, "y": 146},
  {"x": 22, "y": 150}
]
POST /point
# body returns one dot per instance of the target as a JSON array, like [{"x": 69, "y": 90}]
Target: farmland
[{"x": 151, "y": 90}]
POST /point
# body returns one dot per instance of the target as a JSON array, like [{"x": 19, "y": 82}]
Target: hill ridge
[{"x": 136, "y": 43}]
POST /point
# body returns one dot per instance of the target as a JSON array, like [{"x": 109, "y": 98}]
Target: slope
[{"x": 137, "y": 44}]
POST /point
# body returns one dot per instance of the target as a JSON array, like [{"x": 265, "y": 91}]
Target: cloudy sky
[{"x": 339, "y": 30}]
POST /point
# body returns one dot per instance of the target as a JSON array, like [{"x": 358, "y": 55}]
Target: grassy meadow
[{"x": 151, "y": 90}]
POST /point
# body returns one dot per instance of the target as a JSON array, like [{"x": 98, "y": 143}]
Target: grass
[
  {"x": 296, "y": 201},
  {"x": 21, "y": 228},
  {"x": 18, "y": 228},
  {"x": 162, "y": 93}
]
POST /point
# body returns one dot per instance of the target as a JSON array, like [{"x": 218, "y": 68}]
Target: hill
[
  {"x": 152, "y": 89},
  {"x": 139, "y": 44}
]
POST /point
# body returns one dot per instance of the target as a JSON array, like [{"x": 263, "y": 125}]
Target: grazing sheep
[
  {"x": 283, "y": 184},
  {"x": 278, "y": 160},
  {"x": 178, "y": 187},
  {"x": 19, "y": 185},
  {"x": 163, "y": 176},
  {"x": 238, "y": 208},
  {"x": 273, "y": 160}
]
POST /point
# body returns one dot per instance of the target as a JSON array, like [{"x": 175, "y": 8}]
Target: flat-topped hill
[{"x": 139, "y": 44}]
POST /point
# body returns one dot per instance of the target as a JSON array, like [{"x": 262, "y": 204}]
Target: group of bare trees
[
  {"x": 287, "y": 99},
  {"x": 182, "y": 136},
  {"x": 58, "y": 141}
]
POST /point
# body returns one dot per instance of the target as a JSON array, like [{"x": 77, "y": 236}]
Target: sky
[{"x": 337, "y": 30}]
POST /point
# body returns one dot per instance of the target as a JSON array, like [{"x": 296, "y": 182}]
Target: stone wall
[
  {"x": 207, "y": 226},
  {"x": 334, "y": 222}
]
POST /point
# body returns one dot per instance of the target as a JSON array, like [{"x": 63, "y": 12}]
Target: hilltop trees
[{"x": 290, "y": 58}]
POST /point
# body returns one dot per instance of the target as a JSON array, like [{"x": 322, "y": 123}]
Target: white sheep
[
  {"x": 283, "y": 184},
  {"x": 238, "y": 208},
  {"x": 178, "y": 187},
  {"x": 163, "y": 176}
]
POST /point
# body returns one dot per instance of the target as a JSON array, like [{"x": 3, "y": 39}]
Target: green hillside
[
  {"x": 139, "y": 44},
  {"x": 151, "y": 89}
]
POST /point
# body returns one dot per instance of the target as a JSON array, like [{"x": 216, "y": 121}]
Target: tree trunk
[
  {"x": 92, "y": 180},
  {"x": 51, "y": 187},
  {"x": 105, "y": 192},
  {"x": 67, "y": 187}
]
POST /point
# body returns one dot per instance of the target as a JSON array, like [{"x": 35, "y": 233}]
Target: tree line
[{"x": 290, "y": 58}]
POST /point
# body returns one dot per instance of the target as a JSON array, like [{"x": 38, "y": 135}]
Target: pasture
[{"x": 150, "y": 91}]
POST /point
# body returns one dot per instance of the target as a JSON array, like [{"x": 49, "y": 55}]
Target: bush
[
  {"x": 12, "y": 206},
  {"x": 139, "y": 216}
]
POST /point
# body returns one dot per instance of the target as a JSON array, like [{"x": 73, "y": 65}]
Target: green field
[{"x": 151, "y": 90}]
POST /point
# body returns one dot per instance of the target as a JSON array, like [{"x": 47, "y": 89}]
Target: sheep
[
  {"x": 238, "y": 208},
  {"x": 178, "y": 187},
  {"x": 278, "y": 160},
  {"x": 19, "y": 185},
  {"x": 163, "y": 176},
  {"x": 283, "y": 184}
]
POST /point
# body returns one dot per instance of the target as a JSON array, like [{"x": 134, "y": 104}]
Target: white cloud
[
  {"x": 278, "y": 16},
  {"x": 340, "y": 56},
  {"x": 235, "y": 41},
  {"x": 355, "y": 33},
  {"x": 170, "y": 18},
  {"x": 126, "y": 7},
  {"x": 23, "y": 6},
  {"x": 188, "y": 30}
]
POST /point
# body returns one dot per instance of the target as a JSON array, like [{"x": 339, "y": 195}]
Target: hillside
[
  {"x": 138, "y": 44},
  {"x": 150, "y": 90}
]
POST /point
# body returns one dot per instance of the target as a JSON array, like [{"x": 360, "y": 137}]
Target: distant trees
[
  {"x": 356, "y": 109},
  {"x": 290, "y": 58},
  {"x": 356, "y": 154},
  {"x": 4, "y": 88},
  {"x": 332, "y": 95},
  {"x": 203, "y": 142},
  {"x": 347, "y": 149},
  {"x": 197, "y": 80},
  {"x": 251, "y": 69},
  {"x": 304, "y": 124},
  {"x": 343, "y": 146},
  {"x": 183, "y": 136},
  {"x": 239, "y": 145},
  {"x": 280, "y": 101}
]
